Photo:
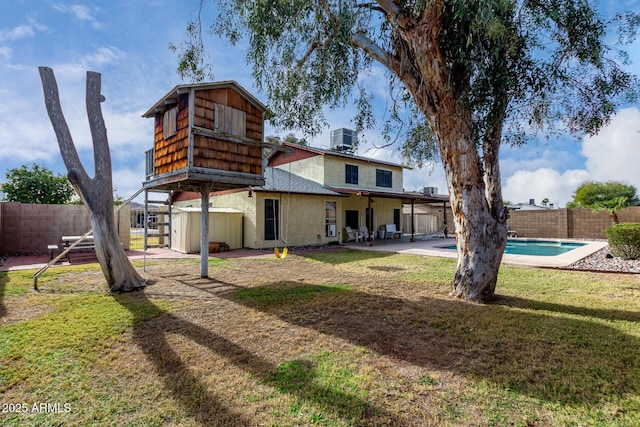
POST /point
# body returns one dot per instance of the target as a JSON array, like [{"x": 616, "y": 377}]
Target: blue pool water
[{"x": 536, "y": 247}]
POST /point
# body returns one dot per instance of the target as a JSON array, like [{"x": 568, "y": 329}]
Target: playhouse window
[
  {"x": 169, "y": 122},
  {"x": 230, "y": 120}
]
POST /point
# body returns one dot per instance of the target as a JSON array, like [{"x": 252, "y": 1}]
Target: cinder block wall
[
  {"x": 567, "y": 223},
  {"x": 29, "y": 228}
]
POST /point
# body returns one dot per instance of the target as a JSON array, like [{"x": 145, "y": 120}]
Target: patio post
[
  {"x": 370, "y": 221},
  {"x": 413, "y": 231}
]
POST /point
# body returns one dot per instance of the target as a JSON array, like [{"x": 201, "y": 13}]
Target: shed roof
[{"x": 172, "y": 96}]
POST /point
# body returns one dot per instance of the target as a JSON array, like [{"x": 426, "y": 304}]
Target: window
[
  {"x": 169, "y": 119},
  {"x": 352, "y": 219},
  {"x": 230, "y": 120},
  {"x": 350, "y": 174},
  {"x": 271, "y": 219},
  {"x": 383, "y": 178},
  {"x": 330, "y": 219}
]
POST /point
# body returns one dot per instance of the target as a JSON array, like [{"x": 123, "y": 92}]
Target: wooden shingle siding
[
  {"x": 218, "y": 154},
  {"x": 172, "y": 153},
  {"x": 221, "y": 110}
]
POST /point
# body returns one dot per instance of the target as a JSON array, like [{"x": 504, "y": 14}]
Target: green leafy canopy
[
  {"x": 536, "y": 67},
  {"x": 36, "y": 185},
  {"x": 605, "y": 195}
]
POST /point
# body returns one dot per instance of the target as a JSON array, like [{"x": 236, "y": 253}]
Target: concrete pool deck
[{"x": 435, "y": 247}]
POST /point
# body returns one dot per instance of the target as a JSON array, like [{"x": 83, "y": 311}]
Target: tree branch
[
  {"x": 400, "y": 16},
  {"x": 65, "y": 142},
  {"x": 101, "y": 154},
  {"x": 372, "y": 49},
  {"x": 312, "y": 48}
]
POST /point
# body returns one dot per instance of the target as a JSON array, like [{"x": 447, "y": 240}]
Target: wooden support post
[
  {"x": 413, "y": 229},
  {"x": 204, "y": 230},
  {"x": 370, "y": 221}
]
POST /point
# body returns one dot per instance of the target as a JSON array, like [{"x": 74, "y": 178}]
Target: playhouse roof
[{"x": 172, "y": 96}]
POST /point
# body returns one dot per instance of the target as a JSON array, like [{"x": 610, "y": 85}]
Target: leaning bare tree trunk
[{"x": 96, "y": 192}]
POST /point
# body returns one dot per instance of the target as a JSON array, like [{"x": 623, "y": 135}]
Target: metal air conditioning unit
[
  {"x": 343, "y": 140},
  {"x": 430, "y": 191}
]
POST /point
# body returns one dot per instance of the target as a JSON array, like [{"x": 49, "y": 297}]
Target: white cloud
[
  {"x": 614, "y": 154},
  {"x": 19, "y": 32},
  {"x": 5, "y": 54},
  {"x": 82, "y": 13},
  {"x": 543, "y": 183},
  {"x": 96, "y": 60}
]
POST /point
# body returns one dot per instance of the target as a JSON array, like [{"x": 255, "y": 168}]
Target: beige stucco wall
[
  {"x": 302, "y": 220},
  {"x": 312, "y": 168},
  {"x": 335, "y": 174}
]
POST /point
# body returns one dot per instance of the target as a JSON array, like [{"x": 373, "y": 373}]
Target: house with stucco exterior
[{"x": 311, "y": 195}]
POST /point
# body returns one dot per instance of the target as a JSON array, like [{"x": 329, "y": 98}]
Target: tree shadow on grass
[
  {"x": 193, "y": 394},
  {"x": 550, "y": 356}
]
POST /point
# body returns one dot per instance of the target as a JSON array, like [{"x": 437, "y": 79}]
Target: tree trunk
[
  {"x": 120, "y": 275},
  {"x": 479, "y": 217},
  {"x": 96, "y": 192},
  {"x": 481, "y": 236}
]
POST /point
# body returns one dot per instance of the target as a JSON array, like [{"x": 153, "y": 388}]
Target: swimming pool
[{"x": 536, "y": 247}]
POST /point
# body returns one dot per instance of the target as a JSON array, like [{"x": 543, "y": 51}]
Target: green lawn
[{"x": 337, "y": 339}]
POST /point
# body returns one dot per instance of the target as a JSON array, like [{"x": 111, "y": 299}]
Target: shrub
[{"x": 624, "y": 240}]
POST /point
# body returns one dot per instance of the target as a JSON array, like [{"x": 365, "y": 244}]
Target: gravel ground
[{"x": 601, "y": 261}]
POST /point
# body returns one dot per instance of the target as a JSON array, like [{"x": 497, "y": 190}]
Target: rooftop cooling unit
[
  {"x": 430, "y": 191},
  {"x": 343, "y": 140}
]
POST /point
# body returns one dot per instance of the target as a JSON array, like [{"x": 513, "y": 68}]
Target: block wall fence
[
  {"x": 567, "y": 223},
  {"x": 29, "y": 228}
]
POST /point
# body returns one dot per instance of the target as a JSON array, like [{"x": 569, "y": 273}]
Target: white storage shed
[{"x": 225, "y": 225}]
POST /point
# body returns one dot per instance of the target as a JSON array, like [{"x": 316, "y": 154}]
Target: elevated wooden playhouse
[{"x": 208, "y": 137}]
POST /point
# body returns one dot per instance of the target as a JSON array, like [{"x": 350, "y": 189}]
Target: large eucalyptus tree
[{"x": 473, "y": 74}]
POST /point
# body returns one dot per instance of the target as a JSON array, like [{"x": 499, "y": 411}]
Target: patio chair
[
  {"x": 364, "y": 231},
  {"x": 353, "y": 235},
  {"x": 391, "y": 232}
]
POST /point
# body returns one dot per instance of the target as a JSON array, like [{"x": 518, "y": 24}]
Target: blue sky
[{"x": 127, "y": 41}]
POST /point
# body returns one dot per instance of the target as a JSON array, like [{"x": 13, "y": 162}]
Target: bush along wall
[{"x": 624, "y": 240}]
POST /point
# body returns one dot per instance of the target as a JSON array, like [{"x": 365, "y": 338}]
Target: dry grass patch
[{"x": 340, "y": 338}]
